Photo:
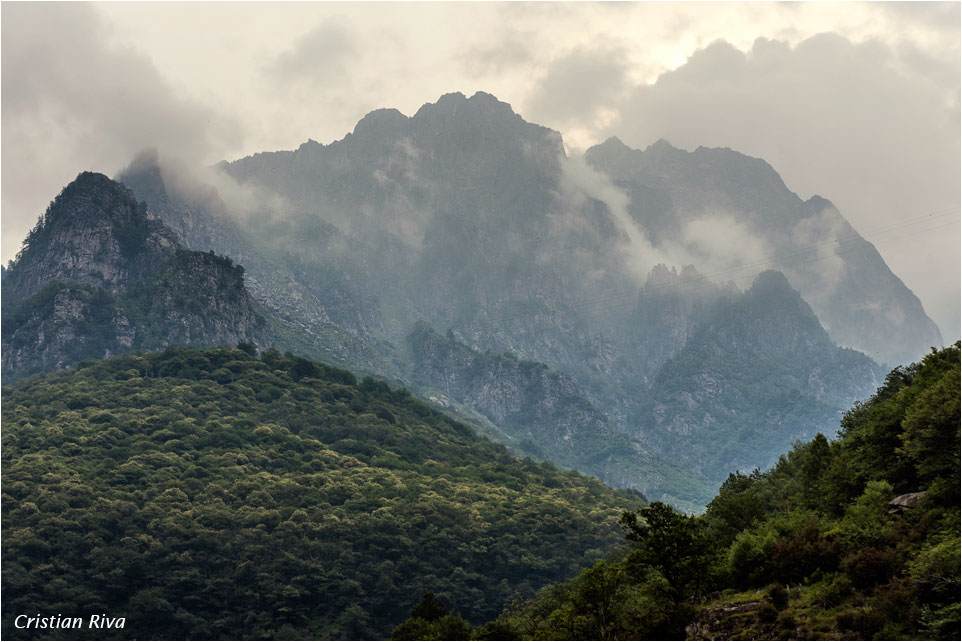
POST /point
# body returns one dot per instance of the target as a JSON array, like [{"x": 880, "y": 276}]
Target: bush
[
  {"x": 767, "y": 613},
  {"x": 778, "y": 596},
  {"x": 795, "y": 558},
  {"x": 870, "y": 566},
  {"x": 786, "y": 621}
]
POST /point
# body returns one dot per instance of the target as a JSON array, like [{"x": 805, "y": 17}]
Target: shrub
[
  {"x": 870, "y": 566},
  {"x": 778, "y": 596}
]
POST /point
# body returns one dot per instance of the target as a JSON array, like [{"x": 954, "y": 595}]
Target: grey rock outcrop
[{"x": 100, "y": 275}]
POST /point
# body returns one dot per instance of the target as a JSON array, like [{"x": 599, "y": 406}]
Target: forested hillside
[
  {"x": 856, "y": 538},
  {"x": 219, "y": 494}
]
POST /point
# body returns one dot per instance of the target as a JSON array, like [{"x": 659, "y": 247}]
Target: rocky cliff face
[
  {"x": 100, "y": 275},
  {"x": 525, "y": 395},
  {"x": 545, "y": 414},
  {"x": 93, "y": 233}
]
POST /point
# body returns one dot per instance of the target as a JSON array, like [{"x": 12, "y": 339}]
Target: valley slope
[{"x": 209, "y": 494}]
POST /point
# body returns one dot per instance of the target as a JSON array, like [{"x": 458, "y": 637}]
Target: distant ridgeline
[
  {"x": 856, "y": 538},
  {"x": 98, "y": 275},
  {"x": 217, "y": 494},
  {"x": 465, "y": 222}
]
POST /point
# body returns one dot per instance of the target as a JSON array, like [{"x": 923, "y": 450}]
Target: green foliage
[
  {"x": 737, "y": 506},
  {"x": 674, "y": 545},
  {"x": 931, "y": 427},
  {"x": 431, "y": 619},
  {"x": 132, "y": 236},
  {"x": 165, "y": 486}
]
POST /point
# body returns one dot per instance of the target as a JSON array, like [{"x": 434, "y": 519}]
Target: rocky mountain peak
[
  {"x": 775, "y": 316},
  {"x": 662, "y": 146},
  {"x": 456, "y": 105},
  {"x": 481, "y": 121},
  {"x": 380, "y": 123},
  {"x": 99, "y": 275},
  {"x": 90, "y": 234},
  {"x": 144, "y": 177},
  {"x": 772, "y": 282},
  {"x": 147, "y": 161}
]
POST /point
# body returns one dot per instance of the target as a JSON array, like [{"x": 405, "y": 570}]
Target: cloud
[
  {"x": 321, "y": 55},
  {"x": 932, "y": 15},
  {"x": 581, "y": 182},
  {"x": 723, "y": 248},
  {"x": 511, "y": 51},
  {"x": 578, "y": 84},
  {"x": 71, "y": 102},
  {"x": 822, "y": 113}
]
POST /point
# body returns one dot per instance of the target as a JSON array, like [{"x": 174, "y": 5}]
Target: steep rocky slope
[
  {"x": 545, "y": 414},
  {"x": 758, "y": 373},
  {"x": 100, "y": 275},
  {"x": 321, "y": 318}
]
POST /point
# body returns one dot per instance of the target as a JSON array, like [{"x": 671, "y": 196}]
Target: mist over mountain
[
  {"x": 733, "y": 215},
  {"x": 611, "y": 270}
]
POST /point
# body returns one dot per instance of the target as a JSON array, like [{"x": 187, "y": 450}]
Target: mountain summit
[{"x": 100, "y": 275}]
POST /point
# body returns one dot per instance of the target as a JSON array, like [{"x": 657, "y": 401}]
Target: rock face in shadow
[
  {"x": 545, "y": 414},
  {"x": 100, "y": 275}
]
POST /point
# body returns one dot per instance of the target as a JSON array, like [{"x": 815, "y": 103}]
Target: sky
[{"x": 856, "y": 102}]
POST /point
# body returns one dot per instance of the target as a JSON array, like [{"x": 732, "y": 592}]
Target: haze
[{"x": 859, "y": 103}]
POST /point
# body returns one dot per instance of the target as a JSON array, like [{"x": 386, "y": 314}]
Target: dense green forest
[
  {"x": 813, "y": 548},
  {"x": 218, "y": 494}
]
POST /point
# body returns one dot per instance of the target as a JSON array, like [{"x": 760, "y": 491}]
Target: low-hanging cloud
[
  {"x": 723, "y": 248},
  {"x": 580, "y": 182},
  {"x": 75, "y": 103},
  {"x": 578, "y": 84}
]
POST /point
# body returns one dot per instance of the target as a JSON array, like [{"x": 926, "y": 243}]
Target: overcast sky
[{"x": 859, "y": 103}]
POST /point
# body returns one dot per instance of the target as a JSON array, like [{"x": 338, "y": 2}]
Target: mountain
[
  {"x": 315, "y": 317},
  {"x": 99, "y": 275},
  {"x": 162, "y": 487},
  {"x": 469, "y": 219},
  {"x": 680, "y": 198}
]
